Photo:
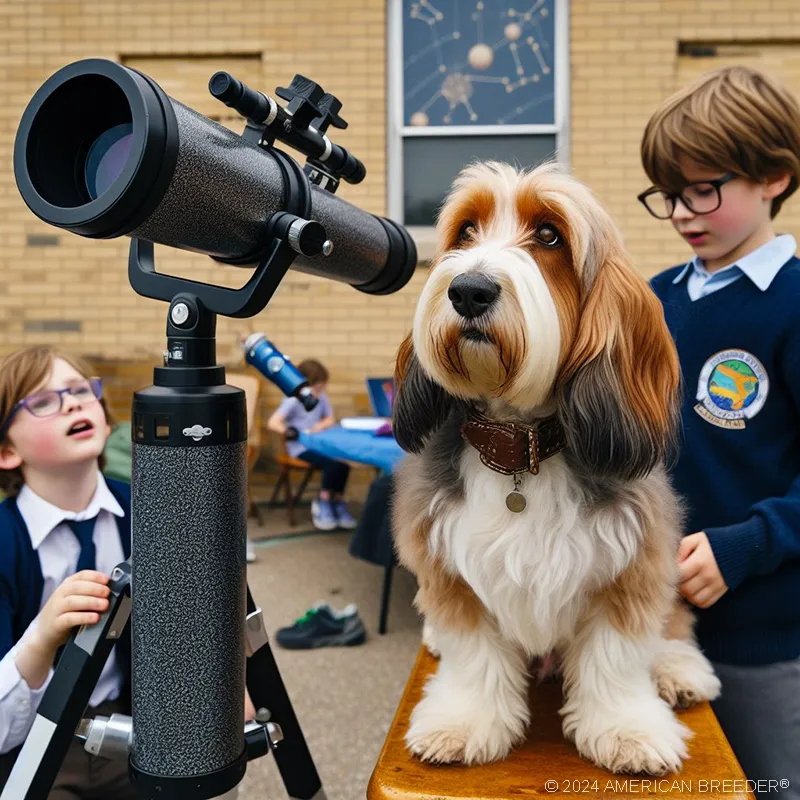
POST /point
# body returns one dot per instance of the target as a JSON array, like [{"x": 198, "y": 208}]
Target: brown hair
[
  {"x": 735, "y": 119},
  {"x": 20, "y": 373},
  {"x": 314, "y": 371}
]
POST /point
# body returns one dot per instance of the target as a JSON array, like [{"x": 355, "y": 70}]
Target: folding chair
[{"x": 289, "y": 465}]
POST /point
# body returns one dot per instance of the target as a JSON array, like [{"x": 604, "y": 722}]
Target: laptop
[{"x": 381, "y": 395}]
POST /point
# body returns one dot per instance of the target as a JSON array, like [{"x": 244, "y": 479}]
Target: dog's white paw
[
  {"x": 442, "y": 746},
  {"x": 637, "y": 752},
  {"x": 446, "y": 735},
  {"x": 684, "y": 675},
  {"x": 652, "y": 742},
  {"x": 429, "y": 639}
]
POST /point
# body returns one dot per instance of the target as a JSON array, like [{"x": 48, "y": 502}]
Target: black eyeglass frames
[{"x": 700, "y": 197}]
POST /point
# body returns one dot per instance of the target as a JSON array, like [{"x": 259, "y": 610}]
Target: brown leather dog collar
[{"x": 513, "y": 447}]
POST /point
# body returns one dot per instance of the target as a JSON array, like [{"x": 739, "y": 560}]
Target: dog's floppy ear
[
  {"x": 619, "y": 385},
  {"x": 420, "y": 404}
]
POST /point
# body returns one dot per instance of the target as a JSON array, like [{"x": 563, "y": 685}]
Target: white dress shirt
[
  {"x": 58, "y": 550},
  {"x": 761, "y": 266}
]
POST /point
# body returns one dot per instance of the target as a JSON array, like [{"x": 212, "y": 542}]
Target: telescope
[
  {"x": 102, "y": 152},
  {"x": 276, "y": 366}
]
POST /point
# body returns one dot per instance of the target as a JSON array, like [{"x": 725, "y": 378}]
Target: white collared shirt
[
  {"x": 58, "y": 550},
  {"x": 761, "y": 266}
]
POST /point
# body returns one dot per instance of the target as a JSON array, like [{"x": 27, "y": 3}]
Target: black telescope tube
[{"x": 187, "y": 182}]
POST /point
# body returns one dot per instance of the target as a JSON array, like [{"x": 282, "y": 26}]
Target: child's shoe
[
  {"x": 343, "y": 516},
  {"x": 322, "y": 515}
]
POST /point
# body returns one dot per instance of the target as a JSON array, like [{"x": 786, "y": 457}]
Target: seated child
[{"x": 328, "y": 511}]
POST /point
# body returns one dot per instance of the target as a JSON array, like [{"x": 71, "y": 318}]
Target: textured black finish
[
  {"x": 360, "y": 244},
  {"x": 222, "y": 191},
  {"x": 189, "y": 595}
]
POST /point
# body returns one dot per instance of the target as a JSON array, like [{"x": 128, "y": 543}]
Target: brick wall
[
  {"x": 74, "y": 292},
  {"x": 625, "y": 59}
]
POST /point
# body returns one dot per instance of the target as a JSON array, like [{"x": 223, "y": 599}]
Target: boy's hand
[
  {"x": 79, "y": 600},
  {"x": 701, "y": 582}
]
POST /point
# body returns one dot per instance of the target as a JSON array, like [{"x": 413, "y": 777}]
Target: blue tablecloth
[{"x": 362, "y": 446}]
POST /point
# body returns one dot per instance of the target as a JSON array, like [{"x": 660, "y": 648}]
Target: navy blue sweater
[
  {"x": 739, "y": 465},
  {"x": 22, "y": 582}
]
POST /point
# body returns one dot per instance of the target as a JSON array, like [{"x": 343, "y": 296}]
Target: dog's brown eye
[
  {"x": 466, "y": 231},
  {"x": 548, "y": 235}
]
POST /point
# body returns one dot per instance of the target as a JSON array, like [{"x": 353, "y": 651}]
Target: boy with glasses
[
  {"x": 63, "y": 528},
  {"x": 723, "y": 155}
]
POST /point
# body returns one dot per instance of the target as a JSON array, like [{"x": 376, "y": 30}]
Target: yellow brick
[{"x": 623, "y": 63}]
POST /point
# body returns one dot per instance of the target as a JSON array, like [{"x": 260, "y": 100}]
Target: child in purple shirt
[{"x": 329, "y": 510}]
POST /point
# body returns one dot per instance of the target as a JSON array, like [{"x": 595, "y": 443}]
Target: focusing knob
[{"x": 305, "y": 236}]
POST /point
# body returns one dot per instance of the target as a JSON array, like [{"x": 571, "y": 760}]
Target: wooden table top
[{"x": 546, "y": 765}]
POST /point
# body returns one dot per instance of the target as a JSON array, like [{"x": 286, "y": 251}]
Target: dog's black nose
[{"x": 472, "y": 294}]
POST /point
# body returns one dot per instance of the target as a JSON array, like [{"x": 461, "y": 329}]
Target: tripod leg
[
  {"x": 266, "y": 688},
  {"x": 67, "y": 696}
]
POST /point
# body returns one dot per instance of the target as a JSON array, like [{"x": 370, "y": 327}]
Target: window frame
[{"x": 396, "y": 132}]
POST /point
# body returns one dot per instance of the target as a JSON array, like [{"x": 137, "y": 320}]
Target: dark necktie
[{"x": 83, "y": 530}]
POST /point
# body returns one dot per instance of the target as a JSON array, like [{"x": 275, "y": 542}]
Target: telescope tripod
[{"x": 58, "y": 719}]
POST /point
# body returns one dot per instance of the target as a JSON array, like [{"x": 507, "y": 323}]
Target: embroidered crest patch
[{"x": 732, "y": 388}]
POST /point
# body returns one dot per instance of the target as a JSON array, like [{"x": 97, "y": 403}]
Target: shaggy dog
[{"x": 537, "y": 398}]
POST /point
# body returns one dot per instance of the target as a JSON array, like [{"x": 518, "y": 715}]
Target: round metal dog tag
[{"x": 516, "y": 502}]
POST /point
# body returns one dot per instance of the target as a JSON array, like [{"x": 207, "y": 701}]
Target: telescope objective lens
[{"x": 107, "y": 158}]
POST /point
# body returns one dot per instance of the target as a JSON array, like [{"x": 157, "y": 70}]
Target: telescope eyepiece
[{"x": 231, "y": 91}]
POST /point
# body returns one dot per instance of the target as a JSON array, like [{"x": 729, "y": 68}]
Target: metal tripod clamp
[
  {"x": 261, "y": 737},
  {"x": 111, "y": 737}
]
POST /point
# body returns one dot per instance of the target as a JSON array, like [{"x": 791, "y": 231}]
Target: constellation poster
[{"x": 478, "y": 62}]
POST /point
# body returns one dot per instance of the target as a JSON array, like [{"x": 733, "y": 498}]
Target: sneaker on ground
[
  {"x": 322, "y": 515},
  {"x": 323, "y": 626},
  {"x": 344, "y": 517}
]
